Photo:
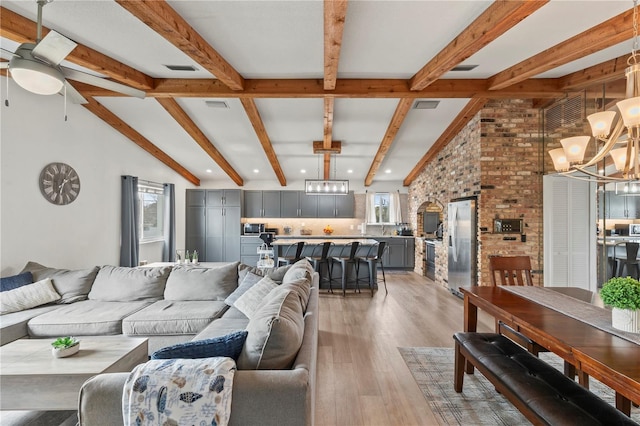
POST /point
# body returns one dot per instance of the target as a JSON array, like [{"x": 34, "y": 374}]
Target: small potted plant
[
  {"x": 65, "y": 346},
  {"x": 623, "y": 295}
]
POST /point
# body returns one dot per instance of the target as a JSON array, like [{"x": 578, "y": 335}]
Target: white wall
[{"x": 86, "y": 232}]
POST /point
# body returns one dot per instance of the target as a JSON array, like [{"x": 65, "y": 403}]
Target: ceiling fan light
[
  {"x": 630, "y": 111},
  {"x": 36, "y": 77},
  {"x": 601, "y": 123},
  {"x": 575, "y": 147},
  {"x": 619, "y": 156}
]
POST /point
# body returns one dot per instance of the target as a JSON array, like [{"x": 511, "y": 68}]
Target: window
[
  {"x": 381, "y": 207},
  {"x": 151, "y": 198}
]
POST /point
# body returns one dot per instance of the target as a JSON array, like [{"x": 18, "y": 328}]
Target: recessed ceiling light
[
  {"x": 426, "y": 104},
  {"x": 209, "y": 171},
  {"x": 463, "y": 67},
  {"x": 216, "y": 104},
  {"x": 181, "y": 67},
  {"x": 256, "y": 171},
  {"x": 349, "y": 171},
  {"x": 303, "y": 171},
  {"x": 388, "y": 171}
]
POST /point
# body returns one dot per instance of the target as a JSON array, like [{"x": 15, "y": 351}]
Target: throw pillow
[
  {"x": 28, "y": 296},
  {"x": 249, "y": 302},
  {"x": 229, "y": 345},
  {"x": 249, "y": 281},
  {"x": 72, "y": 285},
  {"x": 300, "y": 269},
  {"x": 124, "y": 284},
  {"x": 276, "y": 274},
  {"x": 189, "y": 283},
  {"x": 275, "y": 334},
  {"x": 15, "y": 281}
]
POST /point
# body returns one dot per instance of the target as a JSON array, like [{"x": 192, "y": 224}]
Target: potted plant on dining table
[{"x": 623, "y": 295}]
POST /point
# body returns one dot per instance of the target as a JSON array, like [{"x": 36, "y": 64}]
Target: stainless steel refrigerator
[{"x": 462, "y": 231}]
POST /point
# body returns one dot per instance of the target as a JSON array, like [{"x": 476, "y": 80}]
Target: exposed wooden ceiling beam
[
  {"x": 256, "y": 121},
  {"x": 319, "y": 147},
  {"x": 335, "y": 13},
  {"x": 600, "y": 73},
  {"x": 21, "y": 30},
  {"x": 396, "y": 121},
  {"x": 607, "y": 34},
  {"x": 461, "y": 120},
  {"x": 114, "y": 121},
  {"x": 497, "y": 19},
  {"x": 351, "y": 88},
  {"x": 159, "y": 16},
  {"x": 328, "y": 131},
  {"x": 192, "y": 129}
]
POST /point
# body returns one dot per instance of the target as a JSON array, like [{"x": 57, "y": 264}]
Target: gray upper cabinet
[
  {"x": 619, "y": 207},
  {"x": 195, "y": 198},
  {"x": 223, "y": 197},
  {"x": 336, "y": 206},
  {"x": 262, "y": 203},
  {"x": 298, "y": 204}
]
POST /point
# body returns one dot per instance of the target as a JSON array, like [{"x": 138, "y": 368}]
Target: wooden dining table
[{"x": 611, "y": 359}]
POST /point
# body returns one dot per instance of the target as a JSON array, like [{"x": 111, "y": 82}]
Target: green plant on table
[
  {"x": 65, "y": 342},
  {"x": 621, "y": 293}
]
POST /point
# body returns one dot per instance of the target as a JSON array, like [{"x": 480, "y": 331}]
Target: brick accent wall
[{"x": 498, "y": 156}]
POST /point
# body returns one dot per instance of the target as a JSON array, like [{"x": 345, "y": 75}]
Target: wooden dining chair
[{"x": 512, "y": 270}]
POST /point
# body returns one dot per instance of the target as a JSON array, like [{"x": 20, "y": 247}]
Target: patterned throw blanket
[{"x": 179, "y": 392}]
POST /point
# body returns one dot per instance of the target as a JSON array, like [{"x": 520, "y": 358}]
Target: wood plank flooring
[{"x": 362, "y": 379}]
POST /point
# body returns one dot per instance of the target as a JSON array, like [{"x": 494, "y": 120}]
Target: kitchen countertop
[
  {"x": 321, "y": 240},
  {"x": 339, "y": 237}
]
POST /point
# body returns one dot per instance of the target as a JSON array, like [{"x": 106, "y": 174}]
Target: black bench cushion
[{"x": 555, "y": 398}]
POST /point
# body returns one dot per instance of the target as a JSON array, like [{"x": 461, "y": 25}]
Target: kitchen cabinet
[
  {"x": 249, "y": 250},
  {"x": 336, "y": 206},
  {"x": 298, "y": 204},
  {"x": 262, "y": 203},
  {"x": 400, "y": 252},
  {"x": 618, "y": 207},
  {"x": 213, "y": 224}
]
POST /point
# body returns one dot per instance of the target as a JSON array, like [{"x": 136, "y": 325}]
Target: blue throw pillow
[
  {"x": 229, "y": 345},
  {"x": 11, "y": 283}
]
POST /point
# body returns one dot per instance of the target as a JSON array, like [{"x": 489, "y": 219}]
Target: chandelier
[
  {"x": 617, "y": 129},
  {"x": 326, "y": 186}
]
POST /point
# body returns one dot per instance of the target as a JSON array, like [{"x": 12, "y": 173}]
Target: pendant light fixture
[{"x": 326, "y": 186}]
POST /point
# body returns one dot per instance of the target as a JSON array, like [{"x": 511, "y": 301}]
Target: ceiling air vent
[
  {"x": 463, "y": 67},
  {"x": 426, "y": 104},
  {"x": 216, "y": 104},
  {"x": 181, "y": 67}
]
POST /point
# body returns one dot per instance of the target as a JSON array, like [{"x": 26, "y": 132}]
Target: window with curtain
[
  {"x": 383, "y": 208},
  {"x": 151, "y": 204}
]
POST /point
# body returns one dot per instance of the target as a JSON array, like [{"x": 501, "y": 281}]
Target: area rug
[{"x": 479, "y": 403}]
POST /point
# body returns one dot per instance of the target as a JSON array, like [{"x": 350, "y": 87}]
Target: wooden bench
[{"x": 542, "y": 393}]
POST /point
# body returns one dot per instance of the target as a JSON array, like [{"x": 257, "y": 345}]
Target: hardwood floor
[{"x": 362, "y": 379}]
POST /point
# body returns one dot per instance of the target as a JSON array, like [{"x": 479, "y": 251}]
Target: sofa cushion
[
  {"x": 189, "y": 283},
  {"x": 275, "y": 333},
  {"x": 249, "y": 302},
  {"x": 15, "y": 281},
  {"x": 300, "y": 269},
  {"x": 167, "y": 317},
  {"x": 84, "y": 318},
  {"x": 228, "y": 345},
  {"x": 250, "y": 279},
  {"x": 302, "y": 287},
  {"x": 276, "y": 274},
  {"x": 14, "y": 325},
  {"x": 124, "y": 284},
  {"x": 72, "y": 285},
  {"x": 28, "y": 296},
  {"x": 222, "y": 326}
]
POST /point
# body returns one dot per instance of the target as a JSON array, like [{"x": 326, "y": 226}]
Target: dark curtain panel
[
  {"x": 169, "y": 249},
  {"x": 129, "y": 237}
]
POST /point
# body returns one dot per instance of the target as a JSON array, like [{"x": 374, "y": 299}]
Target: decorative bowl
[{"x": 65, "y": 352}]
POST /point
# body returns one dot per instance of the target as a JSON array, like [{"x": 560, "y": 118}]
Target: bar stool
[
  {"x": 318, "y": 261},
  {"x": 371, "y": 261},
  {"x": 630, "y": 260},
  {"x": 347, "y": 263},
  {"x": 288, "y": 259}
]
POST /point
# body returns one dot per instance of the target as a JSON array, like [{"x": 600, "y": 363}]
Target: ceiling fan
[{"x": 36, "y": 67}]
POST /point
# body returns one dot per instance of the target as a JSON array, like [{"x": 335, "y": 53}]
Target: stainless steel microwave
[
  {"x": 634, "y": 230},
  {"x": 253, "y": 228}
]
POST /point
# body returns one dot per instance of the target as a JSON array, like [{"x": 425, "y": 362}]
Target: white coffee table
[{"x": 31, "y": 378}]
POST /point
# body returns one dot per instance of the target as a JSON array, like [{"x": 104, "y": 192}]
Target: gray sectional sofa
[{"x": 275, "y": 381}]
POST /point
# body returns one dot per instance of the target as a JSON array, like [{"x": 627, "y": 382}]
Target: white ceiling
[{"x": 285, "y": 40}]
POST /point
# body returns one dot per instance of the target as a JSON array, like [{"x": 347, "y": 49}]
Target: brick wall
[{"x": 498, "y": 156}]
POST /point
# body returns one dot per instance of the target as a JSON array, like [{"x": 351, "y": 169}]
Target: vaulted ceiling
[{"x": 345, "y": 75}]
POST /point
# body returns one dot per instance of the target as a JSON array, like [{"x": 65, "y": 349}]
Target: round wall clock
[{"x": 59, "y": 183}]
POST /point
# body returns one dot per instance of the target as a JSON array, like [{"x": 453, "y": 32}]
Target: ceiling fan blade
[
  {"x": 4, "y": 65},
  {"x": 6, "y": 52},
  {"x": 53, "y": 48},
  {"x": 74, "y": 96},
  {"x": 101, "y": 82}
]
